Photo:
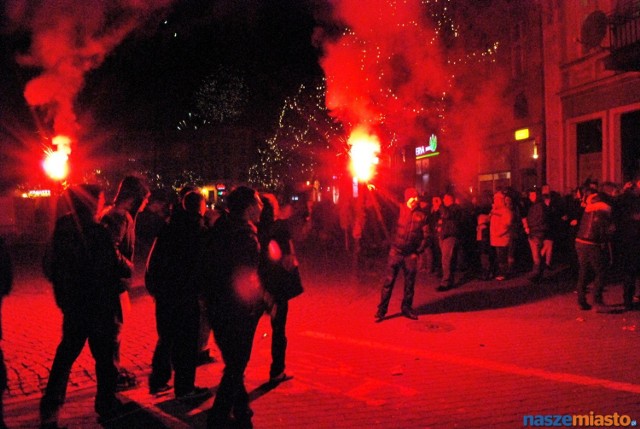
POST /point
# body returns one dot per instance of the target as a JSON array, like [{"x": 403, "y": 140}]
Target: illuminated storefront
[{"x": 424, "y": 158}]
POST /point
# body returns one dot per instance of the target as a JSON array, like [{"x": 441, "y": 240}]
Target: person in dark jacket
[
  {"x": 448, "y": 232},
  {"x": 594, "y": 232},
  {"x": 85, "y": 272},
  {"x": 120, "y": 220},
  {"x": 234, "y": 301},
  {"x": 628, "y": 227},
  {"x": 170, "y": 279},
  {"x": 6, "y": 283},
  {"x": 536, "y": 225},
  {"x": 410, "y": 240},
  {"x": 278, "y": 263}
]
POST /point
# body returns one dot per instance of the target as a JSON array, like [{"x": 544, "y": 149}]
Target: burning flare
[
  {"x": 364, "y": 152},
  {"x": 56, "y": 163}
]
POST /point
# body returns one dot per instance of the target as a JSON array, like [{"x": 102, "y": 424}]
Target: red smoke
[
  {"x": 384, "y": 68},
  {"x": 68, "y": 39},
  {"x": 388, "y": 70}
]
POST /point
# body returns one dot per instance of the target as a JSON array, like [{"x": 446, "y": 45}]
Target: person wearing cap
[{"x": 410, "y": 241}]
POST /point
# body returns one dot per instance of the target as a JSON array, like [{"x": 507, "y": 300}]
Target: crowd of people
[
  {"x": 217, "y": 273},
  {"x": 220, "y": 271},
  {"x": 593, "y": 231}
]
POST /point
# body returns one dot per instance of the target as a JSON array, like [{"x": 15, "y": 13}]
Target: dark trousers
[
  {"x": 78, "y": 328},
  {"x": 590, "y": 259},
  {"x": 233, "y": 330},
  {"x": 630, "y": 268},
  {"x": 278, "y": 313},
  {"x": 448, "y": 248},
  {"x": 3, "y": 387},
  {"x": 536, "y": 244},
  {"x": 409, "y": 266},
  {"x": 177, "y": 345}
]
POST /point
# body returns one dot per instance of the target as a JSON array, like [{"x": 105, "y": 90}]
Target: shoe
[
  {"x": 379, "y": 317},
  {"x": 410, "y": 314},
  {"x": 51, "y": 425},
  {"x": 196, "y": 393},
  {"x": 277, "y": 379},
  {"x": 155, "y": 390},
  {"x": 584, "y": 306},
  {"x": 205, "y": 358},
  {"x": 442, "y": 288},
  {"x": 126, "y": 380}
]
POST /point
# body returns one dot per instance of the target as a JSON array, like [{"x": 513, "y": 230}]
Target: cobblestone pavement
[{"x": 483, "y": 355}]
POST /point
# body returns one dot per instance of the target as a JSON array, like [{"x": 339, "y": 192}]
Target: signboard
[{"x": 428, "y": 150}]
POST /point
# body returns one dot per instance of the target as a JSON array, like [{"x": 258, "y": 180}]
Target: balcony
[{"x": 624, "y": 36}]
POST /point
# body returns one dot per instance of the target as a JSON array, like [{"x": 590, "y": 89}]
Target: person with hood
[
  {"x": 120, "y": 220},
  {"x": 409, "y": 242},
  {"x": 593, "y": 236}
]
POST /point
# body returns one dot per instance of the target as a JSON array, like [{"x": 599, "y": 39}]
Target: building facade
[{"x": 592, "y": 91}]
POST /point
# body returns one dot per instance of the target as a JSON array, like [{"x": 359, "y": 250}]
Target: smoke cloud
[
  {"x": 384, "y": 67},
  {"x": 68, "y": 39},
  {"x": 387, "y": 69}
]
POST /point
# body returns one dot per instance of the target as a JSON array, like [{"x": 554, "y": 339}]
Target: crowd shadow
[
  {"x": 134, "y": 416},
  {"x": 511, "y": 293},
  {"x": 138, "y": 417}
]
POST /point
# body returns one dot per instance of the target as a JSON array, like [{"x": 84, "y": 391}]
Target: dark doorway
[
  {"x": 630, "y": 141},
  {"x": 589, "y": 145}
]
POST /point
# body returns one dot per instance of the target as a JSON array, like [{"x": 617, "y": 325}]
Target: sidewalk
[{"x": 482, "y": 355}]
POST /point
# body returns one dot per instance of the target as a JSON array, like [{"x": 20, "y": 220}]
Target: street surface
[{"x": 483, "y": 355}]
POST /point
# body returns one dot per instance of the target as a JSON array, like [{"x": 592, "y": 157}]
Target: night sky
[
  {"x": 149, "y": 79},
  {"x": 117, "y": 74},
  {"x": 145, "y": 83}
]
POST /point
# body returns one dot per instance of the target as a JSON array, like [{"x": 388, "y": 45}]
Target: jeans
[{"x": 409, "y": 266}]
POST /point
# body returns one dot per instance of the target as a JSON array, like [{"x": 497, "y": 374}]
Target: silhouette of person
[
  {"x": 278, "y": 263},
  {"x": 235, "y": 301},
  {"x": 6, "y": 282},
  {"x": 120, "y": 221},
  {"x": 170, "y": 280},
  {"x": 85, "y": 274},
  {"x": 410, "y": 241}
]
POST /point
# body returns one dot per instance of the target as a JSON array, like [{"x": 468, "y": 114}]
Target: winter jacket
[
  {"x": 500, "y": 226},
  {"x": 84, "y": 267},
  {"x": 538, "y": 220},
  {"x": 450, "y": 221},
  {"x": 411, "y": 231},
  {"x": 121, "y": 226},
  {"x": 229, "y": 269},
  {"x": 595, "y": 226},
  {"x": 172, "y": 262}
]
